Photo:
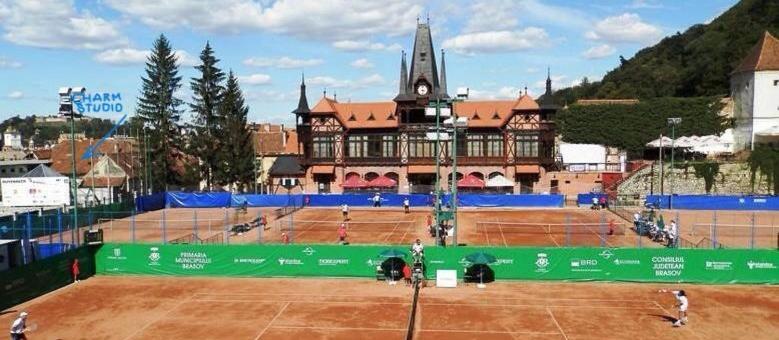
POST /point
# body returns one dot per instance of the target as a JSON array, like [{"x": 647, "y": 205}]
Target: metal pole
[
  {"x": 73, "y": 184},
  {"x": 437, "y": 209},
  {"x": 454, "y": 180},
  {"x": 671, "y": 169},
  {"x": 662, "y": 172}
]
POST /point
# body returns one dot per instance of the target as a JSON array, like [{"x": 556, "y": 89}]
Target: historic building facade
[{"x": 506, "y": 146}]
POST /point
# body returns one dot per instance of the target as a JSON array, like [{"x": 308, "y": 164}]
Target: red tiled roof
[
  {"x": 292, "y": 142},
  {"x": 42, "y": 153},
  {"x": 61, "y": 155},
  {"x": 525, "y": 102},
  {"x": 763, "y": 56},
  {"x": 325, "y": 105},
  {"x": 102, "y": 182},
  {"x": 367, "y": 115},
  {"x": 487, "y": 113}
]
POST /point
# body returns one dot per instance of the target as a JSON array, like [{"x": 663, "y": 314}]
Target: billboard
[{"x": 35, "y": 191}]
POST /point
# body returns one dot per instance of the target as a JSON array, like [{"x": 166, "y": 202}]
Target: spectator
[
  {"x": 342, "y": 233},
  {"x": 307, "y": 201},
  {"x": 263, "y": 221},
  {"x": 406, "y": 205},
  {"x": 284, "y": 238},
  {"x": 345, "y": 211},
  {"x": 407, "y": 273},
  {"x": 672, "y": 234},
  {"x": 377, "y": 200},
  {"x": 75, "y": 270},
  {"x": 603, "y": 202},
  {"x": 612, "y": 226},
  {"x": 429, "y": 221},
  {"x": 594, "y": 203}
]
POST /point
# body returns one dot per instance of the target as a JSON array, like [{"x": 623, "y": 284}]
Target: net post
[
  {"x": 163, "y": 227},
  {"x": 752, "y": 232}
]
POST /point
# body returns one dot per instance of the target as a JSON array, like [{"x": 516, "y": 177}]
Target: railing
[
  {"x": 371, "y": 160},
  {"x": 582, "y": 167}
]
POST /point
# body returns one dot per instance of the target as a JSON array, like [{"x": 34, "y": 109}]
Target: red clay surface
[
  {"x": 244, "y": 308},
  {"x": 478, "y": 226}
]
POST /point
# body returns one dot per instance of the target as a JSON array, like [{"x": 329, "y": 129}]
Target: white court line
[
  {"x": 176, "y": 306},
  {"x": 553, "y": 239},
  {"x": 487, "y": 332},
  {"x": 342, "y": 328},
  {"x": 503, "y": 236},
  {"x": 538, "y": 306},
  {"x": 386, "y": 239},
  {"x": 556, "y": 323},
  {"x": 295, "y": 294},
  {"x": 304, "y": 301},
  {"x": 271, "y": 321}
]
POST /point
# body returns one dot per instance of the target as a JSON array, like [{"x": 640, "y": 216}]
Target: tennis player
[
  {"x": 345, "y": 211},
  {"x": 406, "y": 205},
  {"x": 681, "y": 303},
  {"x": 19, "y": 327},
  {"x": 284, "y": 238},
  {"x": 377, "y": 200},
  {"x": 342, "y": 233},
  {"x": 75, "y": 270}
]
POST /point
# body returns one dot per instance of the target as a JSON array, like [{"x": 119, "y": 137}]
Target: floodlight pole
[
  {"x": 454, "y": 171},
  {"x": 673, "y": 122},
  {"x": 74, "y": 184},
  {"x": 437, "y": 204}
]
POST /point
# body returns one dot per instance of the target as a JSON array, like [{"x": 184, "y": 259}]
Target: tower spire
[
  {"x": 302, "y": 109},
  {"x": 548, "y": 81},
  {"x": 442, "y": 83}
]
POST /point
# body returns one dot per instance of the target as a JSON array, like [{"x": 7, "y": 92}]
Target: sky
[{"x": 351, "y": 48}]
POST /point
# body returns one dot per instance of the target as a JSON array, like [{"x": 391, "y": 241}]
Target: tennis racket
[{"x": 32, "y": 327}]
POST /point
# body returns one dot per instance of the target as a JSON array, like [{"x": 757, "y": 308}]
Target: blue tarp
[
  {"x": 50, "y": 249},
  {"x": 198, "y": 199},
  {"x": 238, "y": 200},
  {"x": 711, "y": 202},
  {"x": 497, "y": 200},
  {"x": 224, "y": 199},
  {"x": 150, "y": 202},
  {"x": 586, "y": 199}
]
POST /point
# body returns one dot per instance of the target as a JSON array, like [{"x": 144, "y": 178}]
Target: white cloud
[
  {"x": 331, "y": 20},
  {"x": 122, "y": 56},
  {"x": 558, "y": 82},
  {"x": 9, "y": 63},
  {"x": 255, "y": 79},
  {"x": 56, "y": 24},
  {"x": 131, "y": 56},
  {"x": 599, "y": 52},
  {"x": 16, "y": 95},
  {"x": 498, "y": 41},
  {"x": 330, "y": 82},
  {"x": 270, "y": 96},
  {"x": 364, "y": 46},
  {"x": 491, "y": 15},
  {"x": 645, "y": 4},
  {"x": 503, "y": 92},
  {"x": 627, "y": 28},
  {"x": 362, "y": 63},
  {"x": 283, "y": 62}
]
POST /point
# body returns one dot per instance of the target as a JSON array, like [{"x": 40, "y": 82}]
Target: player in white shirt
[
  {"x": 682, "y": 303},
  {"x": 19, "y": 326},
  {"x": 406, "y": 205},
  {"x": 417, "y": 249},
  {"x": 345, "y": 211},
  {"x": 672, "y": 233}
]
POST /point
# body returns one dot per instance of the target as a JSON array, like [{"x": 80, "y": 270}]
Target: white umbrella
[
  {"x": 499, "y": 181},
  {"x": 656, "y": 143}
]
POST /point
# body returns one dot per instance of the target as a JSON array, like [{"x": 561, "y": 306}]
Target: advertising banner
[
  {"x": 601, "y": 264},
  {"x": 35, "y": 191}
]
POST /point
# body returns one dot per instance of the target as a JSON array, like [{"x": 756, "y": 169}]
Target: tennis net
[
  {"x": 304, "y": 225},
  {"x": 551, "y": 228},
  {"x": 413, "y": 315},
  {"x": 709, "y": 229}
]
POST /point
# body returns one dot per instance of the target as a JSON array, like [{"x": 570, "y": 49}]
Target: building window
[
  {"x": 389, "y": 146},
  {"x": 375, "y": 146},
  {"x": 527, "y": 145},
  {"x": 494, "y": 145},
  {"x": 419, "y": 147},
  {"x": 357, "y": 146},
  {"x": 475, "y": 145},
  {"x": 322, "y": 147}
]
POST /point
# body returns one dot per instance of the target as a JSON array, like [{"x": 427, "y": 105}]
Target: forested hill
[{"x": 695, "y": 63}]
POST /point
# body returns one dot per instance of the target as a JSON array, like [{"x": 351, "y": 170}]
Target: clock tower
[{"x": 422, "y": 84}]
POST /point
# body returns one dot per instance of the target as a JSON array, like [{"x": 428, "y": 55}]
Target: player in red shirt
[
  {"x": 284, "y": 238},
  {"x": 75, "y": 270},
  {"x": 263, "y": 221},
  {"x": 342, "y": 233}
]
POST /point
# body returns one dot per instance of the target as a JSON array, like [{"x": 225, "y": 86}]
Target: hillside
[
  {"x": 695, "y": 63},
  {"x": 49, "y": 132}
]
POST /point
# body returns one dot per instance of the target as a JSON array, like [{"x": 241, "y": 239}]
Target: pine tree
[
  {"x": 236, "y": 167},
  {"x": 208, "y": 92},
  {"x": 158, "y": 108}
]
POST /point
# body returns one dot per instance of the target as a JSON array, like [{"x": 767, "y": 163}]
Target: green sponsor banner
[{"x": 603, "y": 264}]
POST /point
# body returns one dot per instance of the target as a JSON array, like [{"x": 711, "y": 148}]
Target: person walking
[
  {"x": 406, "y": 205},
  {"x": 345, "y": 211},
  {"x": 377, "y": 200},
  {"x": 342, "y": 233},
  {"x": 74, "y": 269},
  {"x": 19, "y": 326}
]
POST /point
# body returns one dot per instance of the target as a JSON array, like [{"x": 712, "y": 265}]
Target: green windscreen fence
[{"x": 602, "y": 264}]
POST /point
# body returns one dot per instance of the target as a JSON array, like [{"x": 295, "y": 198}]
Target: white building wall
[
  {"x": 766, "y": 103},
  {"x": 742, "y": 92},
  {"x": 12, "y": 140}
]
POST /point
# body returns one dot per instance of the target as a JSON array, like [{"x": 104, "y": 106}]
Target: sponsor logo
[
  {"x": 333, "y": 262},
  {"x": 309, "y": 251},
  {"x": 117, "y": 255},
  {"x": 628, "y": 262},
  {"x": 719, "y": 265},
  {"x": 154, "y": 256},
  {"x": 290, "y": 262},
  {"x": 606, "y": 254},
  {"x": 192, "y": 260},
  {"x": 668, "y": 265},
  {"x": 584, "y": 265},
  {"x": 542, "y": 262},
  {"x": 249, "y": 260},
  {"x": 504, "y": 261},
  {"x": 437, "y": 261},
  {"x": 373, "y": 262},
  {"x": 760, "y": 265}
]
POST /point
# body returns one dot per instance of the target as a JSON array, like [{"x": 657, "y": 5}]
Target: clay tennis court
[
  {"x": 478, "y": 226},
  {"x": 732, "y": 229},
  {"x": 242, "y": 308}
]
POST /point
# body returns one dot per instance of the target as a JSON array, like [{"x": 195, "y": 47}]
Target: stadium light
[{"x": 673, "y": 122}]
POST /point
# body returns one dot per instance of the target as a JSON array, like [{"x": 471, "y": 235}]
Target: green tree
[
  {"x": 765, "y": 160},
  {"x": 236, "y": 166},
  {"x": 158, "y": 108},
  {"x": 205, "y": 130},
  {"x": 708, "y": 171}
]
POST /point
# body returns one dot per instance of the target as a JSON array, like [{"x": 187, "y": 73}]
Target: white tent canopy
[
  {"x": 666, "y": 142},
  {"x": 499, "y": 181},
  {"x": 709, "y": 145}
]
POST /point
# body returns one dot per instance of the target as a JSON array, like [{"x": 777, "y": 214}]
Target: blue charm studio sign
[{"x": 98, "y": 102}]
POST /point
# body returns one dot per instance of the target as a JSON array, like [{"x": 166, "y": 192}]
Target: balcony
[{"x": 372, "y": 160}]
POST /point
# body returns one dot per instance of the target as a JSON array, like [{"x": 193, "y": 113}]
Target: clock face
[{"x": 422, "y": 90}]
